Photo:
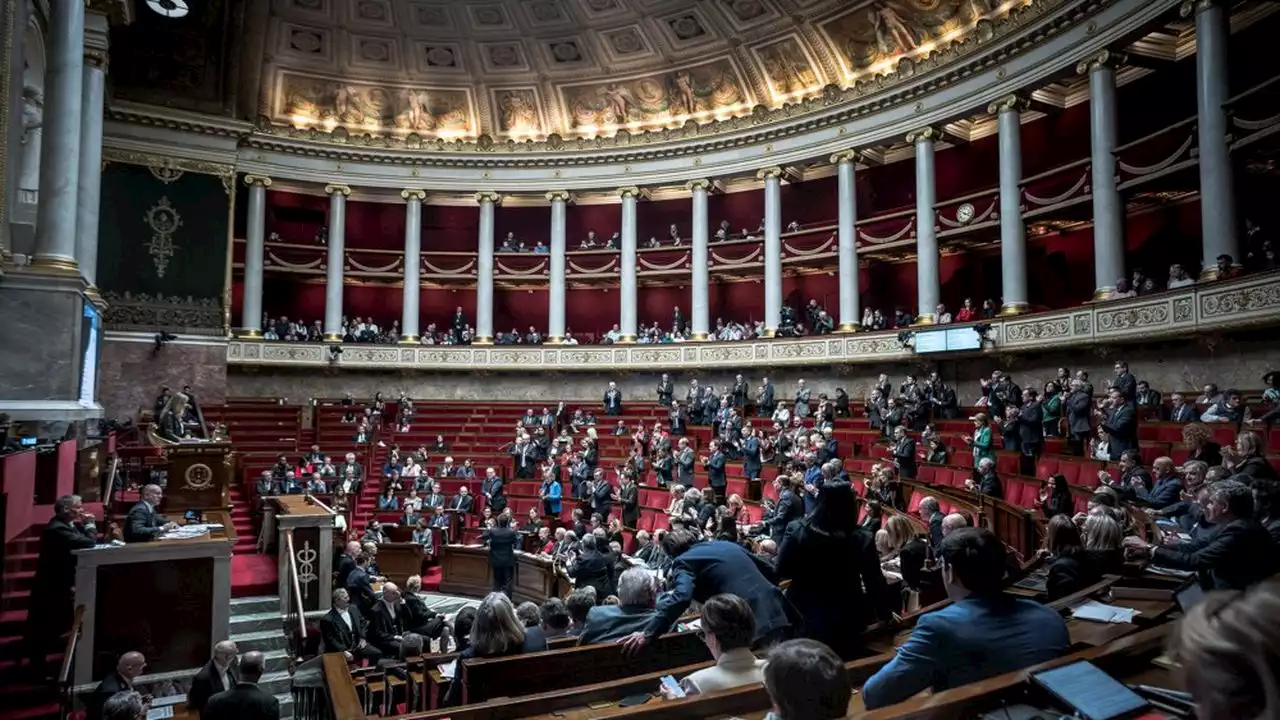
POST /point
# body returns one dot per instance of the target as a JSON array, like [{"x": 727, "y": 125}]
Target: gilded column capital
[
  {"x": 627, "y": 192},
  {"x": 488, "y": 196},
  {"x": 262, "y": 180},
  {"x": 560, "y": 195},
  {"x": 1101, "y": 59},
  {"x": 95, "y": 57},
  {"x": 413, "y": 194},
  {"x": 700, "y": 184},
  {"x": 774, "y": 172},
  {"x": 337, "y": 188},
  {"x": 930, "y": 134},
  {"x": 850, "y": 156},
  {"x": 1008, "y": 103},
  {"x": 1191, "y": 7}
]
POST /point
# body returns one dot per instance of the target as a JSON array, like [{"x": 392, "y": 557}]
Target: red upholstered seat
[
  {"x": 1007, "y": 463},
  {"x": 1081, "y": 503},
  {"x": 1046, "y": 466},
  {"x": 1224, "y": 433},
  {"x": 1149, "y": 432},
  {"x": 927, "y": 473},
  {"x": 661, "y": 522},
  {"x": 736, "y": 487},
  {"x": 628, "y": 541},
  {"x": 914, "y": 504},
  {"x": 1166, "y": 434},
  {"x": 1179, "y": 454},
  {"x": 962, "y": 458},
  {"x": 755, "y": 512}
]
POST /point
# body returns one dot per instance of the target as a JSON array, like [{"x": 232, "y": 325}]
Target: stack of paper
[
  {"x": 448, "y": 670},
  {"x": 1101, "y": 612}
]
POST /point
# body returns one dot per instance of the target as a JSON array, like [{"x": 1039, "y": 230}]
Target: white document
[
  {"x": 449, "y": 669},
  {"x": 160, "y": 713},
  {"x": 1101, "y": 612},
  {"x": 167, "y": 700}
]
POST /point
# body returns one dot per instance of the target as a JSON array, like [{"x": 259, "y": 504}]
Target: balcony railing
[{"x": 1234, "y": 304}]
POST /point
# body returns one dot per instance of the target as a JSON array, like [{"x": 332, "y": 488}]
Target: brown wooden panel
[{"x": 162, "y": 609}]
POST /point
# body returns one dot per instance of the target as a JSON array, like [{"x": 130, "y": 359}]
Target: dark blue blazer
[
  {"x": 715, "y": 470},
  {"x": 718, "y": 566},
  {"x": 606, "y": 623},
  {"x": 967, "y": 641},
  {"x": 1166, "y": 492}
]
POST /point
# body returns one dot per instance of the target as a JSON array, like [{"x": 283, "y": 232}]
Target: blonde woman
[
  {"x": 496, "y": 632},
  {"x": 908, "y": 546},
  {"x": 1104, "y": 540},
  {"x": 1228, "y": 647},
  {"x": 677, "y": 500}
]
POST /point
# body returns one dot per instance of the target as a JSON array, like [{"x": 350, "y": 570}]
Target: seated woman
[
  {"x": 937, "y": 453},
  {"x": 1070, "y": 567},
  {"x": 613, "y": 533},
  {"x": 495, "y": 632},
  {"x": 534, "y": 522},
  {"x": 422, "y": 534},
  {"x": 909, "y": 547},
  {"x": 169, "y": 425},
  {"x": 675, "y": 506},
  {"x": 874, "y": 518},
  {"x": 388, "y": 500},
  {"x": 728, "y": 627},
  {"x": 1055, "y": 497},
  {"x": 1104, "y": 540}
]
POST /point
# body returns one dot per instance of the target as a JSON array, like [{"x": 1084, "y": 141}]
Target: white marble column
[
  {"x": 928, "y": 285},
  {"x": 627, "y": 261},
  {"x": 1108, "y": 209},
  {"x": 56, "y": 213},
  {"x": 847, "y": 239},
  {"x": 555, "y": 303},
  {"x": 700, "y": 284},
  {"x": 254, "y": 247},
  {"x": 772, "y": 178},
  {"x": 1217, "y": 195},
  {"x": 336, "y": 260},
  {"x": 412, "y": 265},
  {"x": 484, "y": 269},
  {"x": 1013, "y": 233},
  {"x": 89, "y": 177}
]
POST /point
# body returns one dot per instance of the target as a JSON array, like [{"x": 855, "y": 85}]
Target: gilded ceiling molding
[
  {"x": 337, "y": 188},
  {"x": 634, "y": 192},
  {"x": 562, "y": 195},
  {"x": 850, "y": 156},
  {"x": 1013, "y": 102},
  {"x": 413, "y": 194},
  {"x": 164, "y": 162},
  {"x": 769, "y": 172},
  {"x": 928, "y": 133},
  {"x": 700, "y": 184},
  {"x": 1191, "y": 7}
]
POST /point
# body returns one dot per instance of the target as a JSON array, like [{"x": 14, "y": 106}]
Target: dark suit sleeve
[
  {"x": 1121, "y": 422},
  {"x": 672, "y": 604},
  {"x": 877, "y": 588},
  {"x": 201, "y": 690},
  {"x": 911, "y": 670},
  {"x": 138, "y": 526},
  {"x": 1198, "y": 556}
]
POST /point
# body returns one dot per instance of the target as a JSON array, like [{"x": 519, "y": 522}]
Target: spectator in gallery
[
  {"x": 902, "y": 318},
  {"x": 1178, "y": 277},
  {"x": 1226, "y": 268},
  {"x": 1122, "y": 290},
  {"x": 967, "y": 312},
  {"x": 653, "y": 243},
  {"x": 614, "y": 242},
  {"x": 868, "y": 319},
  {"x": 673, "y": 234},
  {"x": 988, "y": 309},
  {"x": 941, "y": 316},
  {"x": 540, "y": 248},
  {"x": 723, "y": 232}
]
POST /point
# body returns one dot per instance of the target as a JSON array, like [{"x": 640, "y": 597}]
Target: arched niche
[{"x": 33, "y": 74}]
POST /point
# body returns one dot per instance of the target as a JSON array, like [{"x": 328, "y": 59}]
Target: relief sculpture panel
[
  {"x": 653, "y": 99},
  {"x": 445, "y": 112},
  {"x": 872, "y": 36}
]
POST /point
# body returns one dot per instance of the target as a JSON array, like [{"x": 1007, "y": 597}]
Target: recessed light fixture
[{"x": 169, "y": 8}]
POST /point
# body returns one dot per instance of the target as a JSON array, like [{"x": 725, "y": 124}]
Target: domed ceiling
[{"x": 527, "y": 69}]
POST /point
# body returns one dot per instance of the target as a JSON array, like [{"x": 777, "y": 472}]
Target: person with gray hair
[
  {"x": 246, "y": 701},
  {"x": 931, "y": 513},
  {"x": 987, "y": 482},
  {"x": 1239, "y": 555},
  {"x": 144, "y": 522},
  {"x": 52, "y": 596},
  {"x": 953, "y": 522},
  {"x": 527, "y": 612},
  {"x": 218, "y": 675},
  {"x": 124, "y": 705},
  {"x": 637, "y": 595}
]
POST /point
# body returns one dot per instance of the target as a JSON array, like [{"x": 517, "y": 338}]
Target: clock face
[
  {"x": 169, "y": 8},
  {"x": 964, "y": 213}
]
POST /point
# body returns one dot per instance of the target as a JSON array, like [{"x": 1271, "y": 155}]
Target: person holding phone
[{"x": 728, "y": 628}]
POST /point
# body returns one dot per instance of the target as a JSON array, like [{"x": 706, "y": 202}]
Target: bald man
[
  {"x": 388, "y": 621},
  {"x": 953, "y": 522},
  {"x": 144, "y": 522},
  {"x": 218, "y": 675},
  {"x": 128, "y": 668}
]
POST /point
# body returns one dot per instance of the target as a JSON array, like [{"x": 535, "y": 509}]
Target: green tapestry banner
[{"x": 162, "y": 233}]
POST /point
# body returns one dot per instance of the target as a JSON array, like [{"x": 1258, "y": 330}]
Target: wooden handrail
[
  {"x": 297, "y": 588},
  {"x": 73, "y": 641},
  {"x": 344, "y": 703}
]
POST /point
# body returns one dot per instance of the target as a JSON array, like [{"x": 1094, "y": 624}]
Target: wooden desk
[
  {"x": 312, "y": 527},
  {"x": 465, "y": 571},
  {"x": 169, "y": 599},
  {"x": 398, "y": 560}
]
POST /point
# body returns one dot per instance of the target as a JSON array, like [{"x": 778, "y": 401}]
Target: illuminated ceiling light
[{"x": 172, "y": 9}]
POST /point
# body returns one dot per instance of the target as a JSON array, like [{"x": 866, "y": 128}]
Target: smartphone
[{"x": 672, "y": 686}]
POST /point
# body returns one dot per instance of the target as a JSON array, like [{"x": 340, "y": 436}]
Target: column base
[
  {"x": 769, "y": 332},
  {"x": 923, "y": 320},
  {"x": 249, "y": 334},
  {"x": 1015, "y": 308},
  {"x": 484, "y": 340},
  {"x": 627, "y": 340},
  {"x": 1103, "y": 293},
  {"x": 847, "y": 328},
  {"x": 92, "y": 295},
  {"x": 553, "y": 340},
  {"x": 700, "y": 337},
  {"x": 409, "y": 340},
  {"x": 56, "y": 263},
  {"x": 332, "y": 337}
]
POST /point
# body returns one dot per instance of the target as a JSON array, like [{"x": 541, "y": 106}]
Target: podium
[
  {"x": 465, "y": 571},
  {"x": 309, "y": 528},
  {"x": 199, "y": 476}
]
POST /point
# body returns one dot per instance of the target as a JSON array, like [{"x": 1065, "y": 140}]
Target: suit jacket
[
  {"x": 109, "y": 686},
  {"x": 56, "y": 570},
  {"x": 602, "y": 498},
  {"x": 715, "y": 470},
  {"x": 768, "y": 396},
  {"x": 1079, "y": 407},
  {"x": 1127, "y": 384},
  {"x": 607, "y": 623},
  {"x": 335, "y": 634},
  {"x": 383, "y": 628},
  {"x": 360, "y": 587},
  {"x": 1031, "y": 424},
  {"x": 718, "y": 566},
  {"x": 461, "y": 503},
  {"x": 142, "y": 523},
  {"x": 967, "y": 641},
  {"x": 613, "y": 400},
  {"x": 246, "y": 701},
  {"x": 206, "y": 684},
  {"x": 1185, "y": 414},
  {"x": 1239, "y": 555},
  {"x": 502, "y": 546},
  {"x": 989, "y": 484},
  {"x": 904, "y": 452},
  {"x": 596, "y": 570},
  {"x": 1165, "y": 492},
  {"x": 684, "y": 467},
  {"x": 346, "y": 564},
  {"x": 1122, "y": 428},
  {"x": 497, "y": 499}
]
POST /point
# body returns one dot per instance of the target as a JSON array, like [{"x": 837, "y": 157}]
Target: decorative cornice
[
  {"x": 110, "y": 155},
  {"x": 1009, "y": 103},
  {"x": 488, "y": 196},
  {"x": 337, "y": 188},
  {"x": 561, "y": 195},
  {"x": 413, "y": 194},
  {"x": 929, "y": 133},
  {"x": 262, "y": 180},
  {"x": 850, "y": 156},
  {"x": 769, "y": 173},
  {"x": 1109, "y": 59}
]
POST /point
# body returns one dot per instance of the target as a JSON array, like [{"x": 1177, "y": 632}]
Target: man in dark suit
[
  {"x": 1030, "y": 431},
  {"x": 462, "y": 502},
  {"x": 143, "y": 523},
  {"x": 52, "y": 599},
  {"x": 1239, "y": 555},
  {"x": 752, "y": 459},
  {"x": 388, "y": 621},
  {"x": 700, "y": 569},
  {"x": 1120, "y": 422},
  {"x": 1166, "y": 486},
  {"x": 637, "y": 594},
  {"x": 346, "y": 563},
  {"x": 613, "y": 400},
  {"x": 931, "y": 513},
  {"x": 217, "y": 675},
  {"x": 245, "y": 701},
  {"x": 129, "y": 667},
  {"x": 764, "y": 404},
  {"x": 666, "y": 389},
  {"x": 1125, "y": 382},
  {"x": 987, "y": 483},
  {"x": 601, "y": 495},
  {"x": 904, "y": 452},
  {"x": 714, "y": 465},
  {"x": 1181, "y": 410},
  {"x": 360, "y": 584},
  {"x": 343, "y": 629},
  {"x": 503, "y": 542},
  {"x": 1078, "y": 407},
  {"x": 593, "y": 568},
  {"x": 422, "y": 620}
]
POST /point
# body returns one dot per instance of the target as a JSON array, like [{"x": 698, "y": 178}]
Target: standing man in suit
[
  {"x": 343, "y": 629},
  {"x": 601, "y": 496},
  {"x": 752, "y": 460},
  {"x": 494, "y": 497},
  {"x": 740, "y": 389},
  {"x": 246, "y": 701},
  {"x": 613, "y": 400},
  {"x": 982, "y": 633},
  {"x": 1030, "y": 431},
  {"x": 360, "y": 584},
  {"x": 143, "y": 523},
  {"x": 714, "y": 465},
  {"x": 684, "y": 463},
  {"x": 388, "y": 622},
  {"x": 128, "y": 668},
  {"x": 904, "y": 452},
  {"x": 764, "y": 402},
  {"x": 217, "y": 675},
  {"x": 346, "y": 563},
  {"x": 676, "y": 418},
  {"x": 666, "y": 389},
  {"x": 52, "y": 597},
  {"x": 1120, "y": 422},
  {"x": 931, "y": 513},
  {"x": 1125, "y": 382},
  {"x": 802, "y": 400},
  {"x": 1078, "y": 407},
  {"x": 502, "y": 542}
]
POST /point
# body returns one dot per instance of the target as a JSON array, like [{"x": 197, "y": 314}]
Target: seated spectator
[
  {"x": 1181, "y": 411},
  {"x": 497, "y": 632},
  {"x": 1227, "y": 649},
  {"x": 1240, "y": 554},
  {"x": 388, "y": 500},
  {"x": 1166, "y": 487},
  {"x": 806, "y": 681},
  {"x": 1226, "y": 268},
  {"x": 527, "y": 613},
  {"x": 1230, "y": 409},
  {"x": 579, "y": 604},
  {"x": 1122, "y": 290},
  {"x": 1246, "y": 461},
  {"x": 982, "y": 633},
  {"x": 941, "y": 316},
  {"x": 968, "y": 312},
  {"x": 727, "y": 629},
  {"x": 1178, "y": 277},
  {"x": 637, "y": 594},
  {"x": 1133, "y": 477},
  {"x": 1055, "y": 497},
  {"x": 1070, "y": 567}
]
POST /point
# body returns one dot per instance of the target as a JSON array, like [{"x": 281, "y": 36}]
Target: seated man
[
  {"x": 987, "y": 483},
  {"x": 129, "y": 667},
  {"x": 579, "y": 604},
  {"x": 982, "y": 633},
  {"x": 343, "y": 630},
  {"x": 553, "y": 622},
  {"x": 806, "y": 681},
  {"x": 637, "y": 595},
  {"x": 422, "y": 620},
  {"x": 388, "y": 621}
]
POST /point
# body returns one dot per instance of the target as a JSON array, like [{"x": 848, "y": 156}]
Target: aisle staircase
[{"x": 256, "y": 625}]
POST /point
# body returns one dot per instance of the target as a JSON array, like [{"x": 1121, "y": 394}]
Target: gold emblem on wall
[
  {"x": 164, "y": 221},
  {"x": 198, "y": 477},
  {"x": 306, "y": 558}
]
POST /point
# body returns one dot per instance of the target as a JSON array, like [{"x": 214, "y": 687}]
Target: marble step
[
  {"x": 254, "y": 605},
  {"x": 256, "y": 622},
  {"x": 261, "y": 641}
]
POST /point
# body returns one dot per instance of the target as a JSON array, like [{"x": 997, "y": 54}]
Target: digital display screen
[
  {"x": 1091, "y": 693},
  {"x": 948, "y": 340}
]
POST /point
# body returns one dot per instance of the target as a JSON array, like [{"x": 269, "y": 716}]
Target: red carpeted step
[{"x": 253, "y": 574}]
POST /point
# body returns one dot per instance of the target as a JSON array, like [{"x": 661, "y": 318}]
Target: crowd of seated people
[{"x": 672, "y": 237}]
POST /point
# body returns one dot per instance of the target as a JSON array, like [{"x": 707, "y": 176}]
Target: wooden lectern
[
  {"x": 200, "y": 474},
  {"x": 310, "y": 526},
  {"x": 465, "y": 571}
]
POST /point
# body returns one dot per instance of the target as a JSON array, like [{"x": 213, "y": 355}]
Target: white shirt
[
  {"x": 226, "y": 679},
  {"x": 345, "y": 614}
]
